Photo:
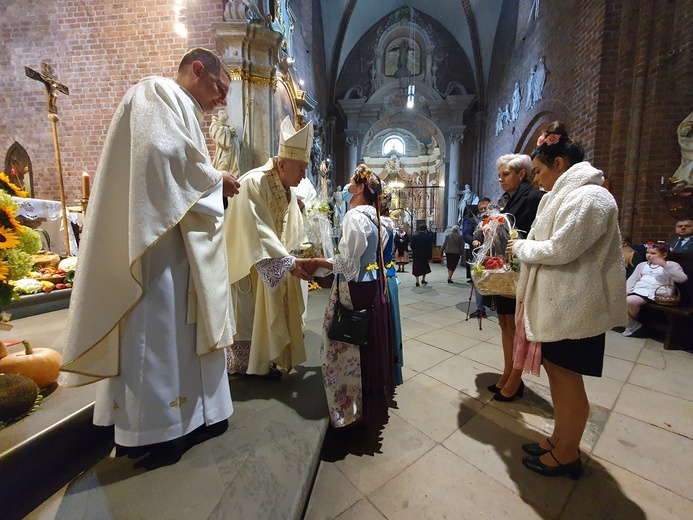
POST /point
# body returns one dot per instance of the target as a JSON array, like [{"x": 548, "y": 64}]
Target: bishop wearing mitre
[{"x": 263, "y": 225}]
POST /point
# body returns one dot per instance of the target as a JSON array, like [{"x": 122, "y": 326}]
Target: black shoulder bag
[{"x": 349, "y": 326}]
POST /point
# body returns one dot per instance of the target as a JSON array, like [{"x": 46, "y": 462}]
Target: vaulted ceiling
[{"x": 472, "y": 23}]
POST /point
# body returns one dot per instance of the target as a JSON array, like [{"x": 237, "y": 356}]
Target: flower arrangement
[
  {"x": 17, "y": 242},
  {"x": 494, "y": 273}
]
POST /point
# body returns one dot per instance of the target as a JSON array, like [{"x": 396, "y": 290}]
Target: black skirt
[
  {"x": 500, "y": 304},
  {"x": 420, "y": 267},
  {"x": 584, "y": 356},
  {"x": 452, "y": 259}
]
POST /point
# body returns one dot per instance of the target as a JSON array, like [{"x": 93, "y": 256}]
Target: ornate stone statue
[
  {"x": 539, "y": 80},
  {"x": 529, "y": 101},
  {"x": 517, "y": 99},
  {"x": 684, "y": 173},
  {"x": 242, "y": 10},
  {"x": 499, "y": 121},
  {"x": 226, "y": 141},
  {"x": 466, "y": 198}
]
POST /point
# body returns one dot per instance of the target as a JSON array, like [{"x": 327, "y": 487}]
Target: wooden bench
[{"x": 678, "y": 323}]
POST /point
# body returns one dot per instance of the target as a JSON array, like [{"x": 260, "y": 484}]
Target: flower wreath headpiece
[
  {"x": 661, "y": 246},
  {"x": 370, "y": 179}
]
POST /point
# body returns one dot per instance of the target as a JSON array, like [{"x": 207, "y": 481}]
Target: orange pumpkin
[{"x": 40, "y": 364}]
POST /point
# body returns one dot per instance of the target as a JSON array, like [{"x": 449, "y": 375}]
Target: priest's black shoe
[
  {"x": 572, "y": 470},
  {"x": 520, "y": 392},
  {"x": 164, "y": 454},
  {"x": 274, "y": 374},
  {"x": 132, "y": 452},
  {"x": 205, "y": 432}
]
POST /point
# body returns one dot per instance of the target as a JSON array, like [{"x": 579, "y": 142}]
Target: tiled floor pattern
[{"x": 450, "y": 452}]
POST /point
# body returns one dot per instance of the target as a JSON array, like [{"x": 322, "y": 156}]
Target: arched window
[{"x": 393, "y": 143}]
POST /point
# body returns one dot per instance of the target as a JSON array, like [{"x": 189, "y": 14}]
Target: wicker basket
[
  {"x": 496, "y": 282},
  {"x": 664, "y": 298}
]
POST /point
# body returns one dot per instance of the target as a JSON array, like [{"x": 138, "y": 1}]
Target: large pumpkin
[{"x": 40, "y": 364}]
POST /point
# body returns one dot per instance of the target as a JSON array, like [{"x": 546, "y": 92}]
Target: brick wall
[
  {"x": 619, "y": 76},
  {"x": 98, "y": 49}
]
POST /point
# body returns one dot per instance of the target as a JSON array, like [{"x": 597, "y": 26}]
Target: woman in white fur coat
[{"x": 571, "y": 290}]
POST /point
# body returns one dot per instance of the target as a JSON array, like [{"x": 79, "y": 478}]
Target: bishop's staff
[{"x": 51, "y": 83}]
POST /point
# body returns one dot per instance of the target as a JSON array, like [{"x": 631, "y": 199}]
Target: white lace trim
[
  {"x": 349, "y": 267},
  {"x": 273, "y": 271}
]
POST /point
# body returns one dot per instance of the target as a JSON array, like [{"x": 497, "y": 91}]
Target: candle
[{"x": 86, "y": 189}]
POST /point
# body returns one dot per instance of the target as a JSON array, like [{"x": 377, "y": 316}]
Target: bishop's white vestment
[
  {"x": 263, "y": 224},
  {"x": 151, "y": 307}
]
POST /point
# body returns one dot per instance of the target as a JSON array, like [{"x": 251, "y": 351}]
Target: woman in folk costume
[
  {"x": 263, "y": 225},
  {"x": 151, "y": 308},
  {"x": 392, "y": 288},
  {"x": 359, "y": 380}
]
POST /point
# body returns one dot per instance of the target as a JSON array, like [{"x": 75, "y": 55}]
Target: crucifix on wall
[{"x": 52, "y": 88}]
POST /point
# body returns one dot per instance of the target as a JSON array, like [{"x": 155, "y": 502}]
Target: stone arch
[
  {"x": 549, "y": 110},
  {"x": 405, "y": 119}
]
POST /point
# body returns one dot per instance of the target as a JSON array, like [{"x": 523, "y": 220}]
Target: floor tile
[
  {"x": 443, "y": 485},
  {"x": 662, "y": 410},
  {"x": 622, "y": 347},
  {"x": 412, "y": 329},
  {"x": 402, "y": 444},
  {"x": 668, "y": 380},
  {"x": 362, "y": 510},
  {"x": 486, "y": 353},
  {"x": 434, "y": 319},
  {"x": 471, "y": 329},
  {"x": 432, "y": 407},
  {"x": 465, "y": 375},
  {"x": 492, "y": 442},
  {"x": 426, "y": 306},
  {"x": 332, "y": 494},
  {"x": 446, "y": 340},
  {"x": 663, "y": 457},
  {"x": 420, "y": 357},
  {"x": 617, "y": 368},
  {"x": 602, "y": 391},
  {"x": 622, "y": 494}
]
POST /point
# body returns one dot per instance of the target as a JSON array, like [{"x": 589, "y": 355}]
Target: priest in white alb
[
  {"x": 263, "y": 226},
  {"x": 151, "y": 310}
]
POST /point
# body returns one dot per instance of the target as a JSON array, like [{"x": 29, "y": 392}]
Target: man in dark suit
[{"x": 683, "y": 243}]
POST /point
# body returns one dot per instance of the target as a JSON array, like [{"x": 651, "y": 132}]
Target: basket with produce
[{"x": 494, "y": 273}]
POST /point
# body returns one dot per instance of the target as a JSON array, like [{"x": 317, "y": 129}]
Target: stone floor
[{"x": 448, "y": 450}]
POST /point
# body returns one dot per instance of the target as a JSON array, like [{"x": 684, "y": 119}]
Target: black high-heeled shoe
[
  {"x": 572, "y": 470},
  {"x": 520, "y": 392},
  {"x": 535, "y": 449},
  {"x": 492, "y": 388}
]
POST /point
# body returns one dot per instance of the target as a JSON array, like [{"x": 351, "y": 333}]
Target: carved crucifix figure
[{"x": 52, "y": 88}]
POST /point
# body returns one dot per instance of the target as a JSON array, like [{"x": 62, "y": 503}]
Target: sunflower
[
  {"x": 4, "y": 271},
  {"x": 10, "y": 187},
  {"x": 8, "y": 238},
  {"x": 8, "y": 220}
]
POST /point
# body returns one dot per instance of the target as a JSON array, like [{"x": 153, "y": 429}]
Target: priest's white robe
[
  {"x": 263, "y": 224},
  {"x": 151, "y": 310}
]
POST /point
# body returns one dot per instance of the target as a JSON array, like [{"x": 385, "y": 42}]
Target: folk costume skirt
[{"x": 359, "y": 381}]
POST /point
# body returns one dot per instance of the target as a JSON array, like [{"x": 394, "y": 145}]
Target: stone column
[
  {"x": 352, "y": 155},
  {"x": 454, "y": 154},
  {"x": 250, "y": 51}
]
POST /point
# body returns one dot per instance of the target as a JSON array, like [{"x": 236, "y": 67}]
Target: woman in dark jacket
[
  {"x": 401, "y": 249},
  {"x": 421, "y": 253},
  {"x": 521, "y": 200}
]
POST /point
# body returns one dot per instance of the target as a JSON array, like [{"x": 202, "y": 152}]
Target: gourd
[
  {"x": 40, "y": 364},
  {"x": 17, "y": 395}
]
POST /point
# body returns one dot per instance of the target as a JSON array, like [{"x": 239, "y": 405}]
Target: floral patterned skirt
[{"x": 359, "y": 381}]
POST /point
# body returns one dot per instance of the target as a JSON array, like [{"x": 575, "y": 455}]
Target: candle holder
[{"x": 84, "y": 202}]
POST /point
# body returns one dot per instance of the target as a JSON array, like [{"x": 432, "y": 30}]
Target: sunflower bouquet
[
  {"x": 493, "y": 272},
  {"x": 17, "y": 242}
]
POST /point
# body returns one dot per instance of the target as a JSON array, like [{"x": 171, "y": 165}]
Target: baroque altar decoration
[{"x": 494, "y": 273}]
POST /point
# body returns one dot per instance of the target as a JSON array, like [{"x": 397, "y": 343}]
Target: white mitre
[{"x": 295, "y": 145}]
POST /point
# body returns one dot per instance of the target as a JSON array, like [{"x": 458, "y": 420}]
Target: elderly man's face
[
  {"x": 483, "y": 206},
  {"x": 291, "y": 172},
  {"x": 684, "y": 228}
]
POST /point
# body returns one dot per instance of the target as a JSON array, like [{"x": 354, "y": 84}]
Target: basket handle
[{"x": 677, "y": 292}]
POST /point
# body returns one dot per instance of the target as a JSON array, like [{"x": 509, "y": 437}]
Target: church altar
[{"x": 48, "y": 212}]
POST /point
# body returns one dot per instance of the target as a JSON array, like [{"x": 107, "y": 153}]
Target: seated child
[{"x": 647, "y": 277}]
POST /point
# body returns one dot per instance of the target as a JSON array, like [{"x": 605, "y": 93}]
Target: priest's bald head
[
  {"x": 202, "y": 73},
  {"x": 294, "y": 152}
]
